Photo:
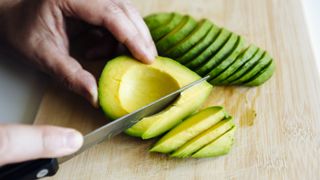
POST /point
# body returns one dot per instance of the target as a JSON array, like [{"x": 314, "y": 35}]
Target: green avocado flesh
[
  {"x": 218, "y": 147},
  {"x": 188, "y": 129},
  {"x": 176, "y": 35},
  {"x": 126, "y": 85},
  {"x": 207, "y": 49},
  {"x": 204, "y": 138}
]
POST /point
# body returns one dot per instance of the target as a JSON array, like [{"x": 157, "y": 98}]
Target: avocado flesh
[
  {"x": 161, "y": 31},
  {"x": 192, "y": 39},
  {"x": 260, "y": 65},
  {"x": 210, "y": 51},
  {"x": 156, "y": 20},
  {"x": 175, "y": 36},
  {"x": 218, "y": 147},
  {"x": 118, "y": 96},
  {"x": 224, "y": 51},
  {"x": 263, "y": 75},
  {"x": 200, "y": 46},
  {"x": 228, "y": 60},
  {"x": 244, "y": 68},
  {"x": 204, "y": 138},
  {"x": 241, "y": 59},
  {"x": 188, "y": 129}
]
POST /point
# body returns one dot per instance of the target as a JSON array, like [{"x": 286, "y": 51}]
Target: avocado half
[{"x": 126, "y": 85}]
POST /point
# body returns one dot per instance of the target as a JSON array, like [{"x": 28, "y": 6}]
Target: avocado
[
  {"x": 176, "y": 35},
  {"x": 188, "y": 42},
  {"x": 188, "y": 129},
  {"x": 211, "y": 50},
  {"x": 159, "y": 19},
  {"x": 262, "y": 76},
  {"x": 204, "y": 138},
  {"x": 126, "y": 85},
  {"x": 200, "y": 46},
  {"x": 260, "y": 65},
  {"x": 218, "y": 147},
  {"x": 228, "y": 60},
  {"x": 246, "y": 67},
  {"x": 161, "y": 31},
  {"x": 205, "y": 49},
  {"x": 224, "y": 51},
  {"x": 241, "y": 59}
]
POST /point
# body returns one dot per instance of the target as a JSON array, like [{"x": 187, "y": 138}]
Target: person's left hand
[{"x": 38, "y": 29}]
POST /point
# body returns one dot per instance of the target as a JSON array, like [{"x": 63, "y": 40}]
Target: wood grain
[{"x": 278, "y": 134}]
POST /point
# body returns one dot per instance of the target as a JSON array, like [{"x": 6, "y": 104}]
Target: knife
[{"x": 39, "y": 168}]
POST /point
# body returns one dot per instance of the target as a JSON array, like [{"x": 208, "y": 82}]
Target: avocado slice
[
  {"x": 241, "y": 59},
  {"x": 126, "y": 85},
  {"x": 228, "y": 60},
  {"x": 261, "y": 64},
  {"x": 188, "y": 129},
  {"x": 218, "y": 147},
  {"x": 161, "y": 31},
  {"x": 262, "y": 76},
  {"x": 156, "y": 20},
  {"x": 204, "y": 138},
  {"x": 188, "y": 42},
  {"x": 176, "y": 35},
  {"x": 219, "y": 56},
  {"x": 246, "y": 67},
  {"x": 200, "y": 46},
  {"x": 211, "y": 50}
]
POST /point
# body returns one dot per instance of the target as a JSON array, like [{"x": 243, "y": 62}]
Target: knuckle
[{"x": 112, "y": 8}]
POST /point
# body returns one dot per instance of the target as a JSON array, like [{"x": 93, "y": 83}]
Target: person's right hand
[{"x": 37, "y": 29}]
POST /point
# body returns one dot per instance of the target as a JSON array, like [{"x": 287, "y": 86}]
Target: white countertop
[{"x": 21, "y": 87}]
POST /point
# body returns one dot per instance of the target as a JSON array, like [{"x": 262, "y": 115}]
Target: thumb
[{"x": 22, "y": 142}]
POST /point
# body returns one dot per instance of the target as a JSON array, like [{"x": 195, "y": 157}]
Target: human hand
[
  {"x": 22, "y": 142},
  {"x": 37, "y": 29}
]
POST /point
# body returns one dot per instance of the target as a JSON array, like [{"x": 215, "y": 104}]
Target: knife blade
[{"x": 40, "y": 168}]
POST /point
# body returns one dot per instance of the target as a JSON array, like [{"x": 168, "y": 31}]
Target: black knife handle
[{"x": 29, "y": 170}]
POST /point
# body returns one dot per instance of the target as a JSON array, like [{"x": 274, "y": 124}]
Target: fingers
[
  {"x": 135, "y": 17},
  {"x": 123, "y": 24},
  {"x": 72, "y": 75},
  {"x": 21, "y": 142},
  {"x": 61, "y": 66}
]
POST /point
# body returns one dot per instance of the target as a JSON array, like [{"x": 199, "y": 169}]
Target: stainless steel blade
[{"x": 119, "y": 125}]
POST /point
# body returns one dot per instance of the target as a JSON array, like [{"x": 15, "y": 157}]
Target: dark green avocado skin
[{"x": 208, "y": 49}]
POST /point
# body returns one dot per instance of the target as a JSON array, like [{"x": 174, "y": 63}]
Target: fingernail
[
  {"x": 74, "y": 140},
  {"x": 149, "y": 56},
  {"x": 94, "y": 96}
]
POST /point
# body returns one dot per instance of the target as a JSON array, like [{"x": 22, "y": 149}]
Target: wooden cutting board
[{"x": 278, "y": 134}]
